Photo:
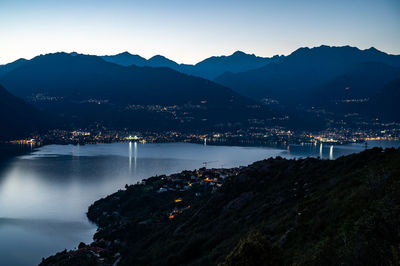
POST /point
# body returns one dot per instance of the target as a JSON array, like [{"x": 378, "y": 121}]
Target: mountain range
[
  {"x": 209, "y": 68},
  {"x": 318, "y": 76},
  {"x": 325, "y": 77},
  {"x": 129, "y": 91},
  {"x": 88, "y": 90}
]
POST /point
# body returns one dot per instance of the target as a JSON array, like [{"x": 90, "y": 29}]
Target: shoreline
[
  {"x": 173, "y": 202},
  {"x": 208, "y": 143},
  {"x": 122, "y": 145}
]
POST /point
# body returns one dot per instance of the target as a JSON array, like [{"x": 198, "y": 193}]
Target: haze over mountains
[
  {"x": 209, "y": 68},
  {"x": 129, "y": 91}
]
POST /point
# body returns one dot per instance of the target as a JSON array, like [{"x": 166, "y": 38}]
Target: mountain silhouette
[
  {"x": 209, "y": 68},
  {"x": 120, "y": 90},
  {"x": 4, "y": 69},
  {"x": 317, "y": 71},
  {"x": 237, "y": 62},
  {"x": 77, "y": 77},
  {"x": 162, "y": 61},
  {"x": 90, "y": 90},
  {"x": 126, "y": 59}
]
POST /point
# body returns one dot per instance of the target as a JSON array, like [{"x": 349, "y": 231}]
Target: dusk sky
[{"x": 189, "y": 31}]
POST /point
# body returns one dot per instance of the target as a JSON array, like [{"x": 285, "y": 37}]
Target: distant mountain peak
[
  {"x": 374, "y": 50},
  {"x": 159, "y": 57},
  {"x": 344, "y": 50},
  {"x": 125, "y": 53},
  {"x": 159, "y": 60},
  {"x": 343, "y": 47},
  {"x": 125, "y": 59},
  {"x": 242, "y": 54},
  {"x": 239, "y": 53}
]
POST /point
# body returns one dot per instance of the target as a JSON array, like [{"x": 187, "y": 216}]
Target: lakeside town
[{"x": 245, "y": 137}]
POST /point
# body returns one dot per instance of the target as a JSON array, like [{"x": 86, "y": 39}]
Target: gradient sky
[{"x": 188, "y": 31}]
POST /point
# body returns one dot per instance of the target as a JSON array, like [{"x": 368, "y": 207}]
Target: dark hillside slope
[
  {"x": 319, "y": 71},
  {"x": 4, "y": 69},
  {"x": 361, "y": 81},
  {"x": 81, "y": 77},
  {"x": 273, "y": 212},
  {"x": 215, "y": 66},
  {"x": 89, "y": 91},
  {"x": 387, "y": 101},
  {"x": 18, "y": 118},
  {"x": 383, "y": 105}
]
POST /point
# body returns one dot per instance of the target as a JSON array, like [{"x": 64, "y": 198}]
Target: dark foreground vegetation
[{"x": 273, "y": 212}]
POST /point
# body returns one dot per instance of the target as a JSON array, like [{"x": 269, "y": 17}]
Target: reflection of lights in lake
[
  {"x": 331, "y": 153},
  {"x": 134, "y": 157},
  {"x": 320, "y": 150},
  {"x": 130, "y": 157}
]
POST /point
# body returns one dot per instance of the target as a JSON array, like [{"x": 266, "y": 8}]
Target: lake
[{"x": 44, "y": 195}]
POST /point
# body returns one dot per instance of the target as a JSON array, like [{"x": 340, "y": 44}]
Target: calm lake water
[{"x": 44, "y": 195}]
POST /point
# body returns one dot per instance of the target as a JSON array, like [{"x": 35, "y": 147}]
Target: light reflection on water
[
  {"x": 44, "y": 195},
  {"x": 329, "y": 151}
]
